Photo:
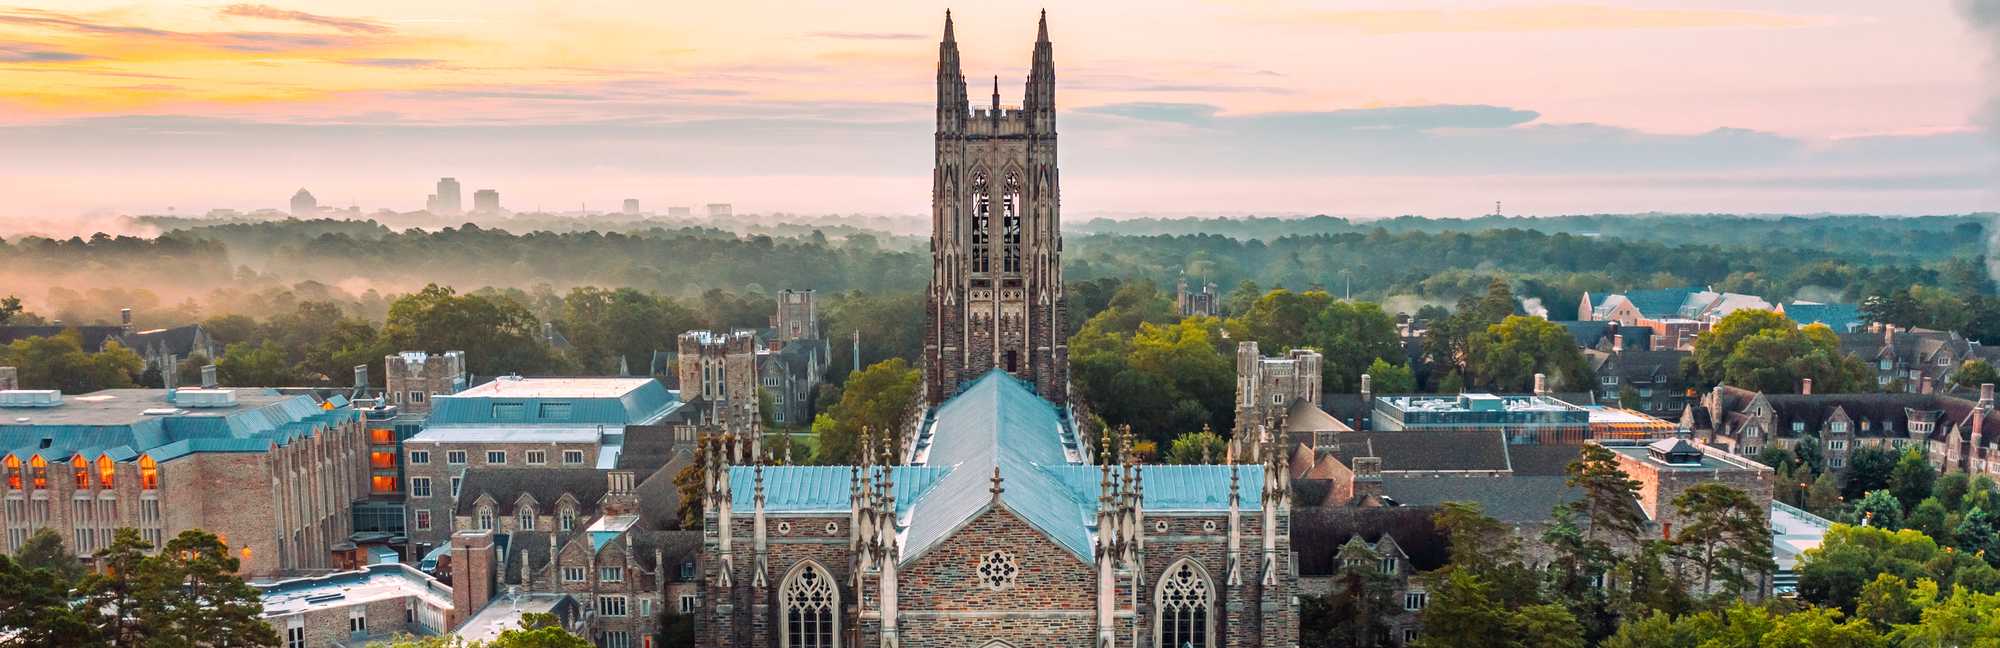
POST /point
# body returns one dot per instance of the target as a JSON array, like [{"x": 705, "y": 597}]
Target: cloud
[
  {"x": 867, "y": 36},
  {"x": 267, "y": 12},
  {"x": 1545, "y": 18},
  {"x": 412, "y": 63},
  {"x": 128, "y": 36},
  {"x": 39, "y": 18},
  {"x": 22, "y": 53}
]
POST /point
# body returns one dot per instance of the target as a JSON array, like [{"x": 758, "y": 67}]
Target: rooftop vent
[
  {"x": 161, "y": 411},
  {"x": 30, "y": 398},
  {"x": 205, "y": 398}
]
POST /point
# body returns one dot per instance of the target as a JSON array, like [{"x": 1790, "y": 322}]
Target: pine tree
[
  {"x": 207, "y": 604},
  {"x": 1725, "y": 534}
]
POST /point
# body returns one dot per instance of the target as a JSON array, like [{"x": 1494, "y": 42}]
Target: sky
[{"x": 1166, "y": 107}]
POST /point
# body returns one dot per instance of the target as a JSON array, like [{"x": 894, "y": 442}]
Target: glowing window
[
  {"x": 81, "y": 467},
  {"x": 382, "y": 459},
  {"x": 40, "y": 468},
  {"x": 107, "y": 472},
  {"x": 13, "y": 472},
  {"x": 149, "y": 473}
]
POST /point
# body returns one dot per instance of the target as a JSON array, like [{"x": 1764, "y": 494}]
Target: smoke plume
[{"x": 1984, "y": 18}]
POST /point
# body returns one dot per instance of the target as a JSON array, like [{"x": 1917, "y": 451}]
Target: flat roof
[
  {"x": 1603, "y": 415},
  {"x": 528, "y": 433},
  {"x": 517, "y": 387},
  {"x": 1711, "y": 457},
  {"x": 1793, "y": 531},
  {"x": 377, "y": 582},
  {"x": 504, "y": 613},
  {"x": 1461, "y": 402},
  {"x": 128, "y": 406}
]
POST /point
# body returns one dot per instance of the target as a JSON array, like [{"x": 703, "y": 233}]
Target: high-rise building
[
  {"x": 720, "y": 210},
  {"x": 485, "y": 201},
  {"x": 996, "y": 294},
  {"x": 631, "y": 206},
  {"x": 303, "y": 204},
  {"x": 680, "y": 212},
  {"x": 447, "y": 199}
]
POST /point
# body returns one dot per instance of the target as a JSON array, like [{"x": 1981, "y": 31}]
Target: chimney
[
  {"x": 360, "y": 379},
  {"x": 10, "y": 378},
  {"x": 170, "y": 375},
  {"x": 1367, "y": 478},
  {"x": 1985, "y": 392},
  {"x": 1805, "y": 387},
  {"x": 1618, "y": 343},
  {"x": 1367, "y": 388},
  {"x": 125, "y": 320},
  {"x": 1925, "y": 387},
  {"x": 208, "y": 376},
  {"x": 1541, "y": 384},
  {"x": 471, "y": 574}
]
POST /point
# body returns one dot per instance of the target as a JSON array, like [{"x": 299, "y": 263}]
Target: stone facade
[
  {"x": 1203, "y": 301},
  {"x": 435, "y": 470},
  {"x": 718, "y": 373},
  {"x": 797, "y": 317},
  {"x": 415, "y": 376},
  {"x": 1266, "y": 388},
  {"x": 996, "y": 294}
]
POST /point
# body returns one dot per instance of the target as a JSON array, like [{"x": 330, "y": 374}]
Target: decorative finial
[
  {"x": 997, "y": 489},
  {"x": 1042, "y": 31}
]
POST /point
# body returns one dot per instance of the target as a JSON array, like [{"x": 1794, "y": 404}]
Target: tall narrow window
[
  {"x": 149, "y": 473},
  {"x": 81, "y": 467},
  {"x": 1010, "y": 220},
  {"x": 107, "y": 472},
  {"x": 810, "y": 603},
  {"x": 13, "y": 472},
  {"x": 1184, "y": 605},
  {"x": 39, "y": 468},
  {"x": 982, "y": 215}
]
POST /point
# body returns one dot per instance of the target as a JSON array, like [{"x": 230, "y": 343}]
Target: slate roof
[
  {"x": 1507, "y": 498},
  {"x": 1660, "y": 303},
  {"x": 1318, "y": 533},
  {"x": 547, "y": 485},
  {"x": 1590, "y": 334},
  {"x": 1429, "y": 450}
]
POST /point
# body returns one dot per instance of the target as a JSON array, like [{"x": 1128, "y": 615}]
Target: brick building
[
  {"x": 531, "y": 423},
  {"x": 274, "y": 475},
  {"x": 1953, "y": 433},
  {"x": 353, "y": 608}
]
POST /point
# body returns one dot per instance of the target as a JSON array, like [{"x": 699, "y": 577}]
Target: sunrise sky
[{"x": 1355, "y": 108}]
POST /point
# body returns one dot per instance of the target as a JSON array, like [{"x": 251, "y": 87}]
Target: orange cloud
[
  {"x": 268, "y": 12},
  {"x": 1549, "y": 18}
]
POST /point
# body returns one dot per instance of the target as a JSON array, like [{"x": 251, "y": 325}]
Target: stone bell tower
[{"x": 996, "y": 293}]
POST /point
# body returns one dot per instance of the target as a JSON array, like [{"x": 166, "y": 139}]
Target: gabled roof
[
  {"x": 116, "y": 422},
  {"x": 1660, "y": 303},
  {"x": 546, "y": 485},
  {"x": 1842, "y": 318}
]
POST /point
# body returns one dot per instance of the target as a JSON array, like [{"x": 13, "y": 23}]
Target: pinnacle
[
  {"x": 1043, "y": 35},
  {"x": 947, "y": 27}
]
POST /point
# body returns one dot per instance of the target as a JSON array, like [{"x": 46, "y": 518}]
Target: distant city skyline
[{"x": 1365, "y": 109}]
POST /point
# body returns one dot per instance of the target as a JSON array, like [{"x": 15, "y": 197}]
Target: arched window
[
  {"x": 524, "y": 518},
  {"x": 81, "y": 467},
  {"x": 1010, "y": 220},
  {"x": 485, "y": 522},
  {"x": 982, "y": 217},
  {"x": 107, "y": 472},
  {"x": 566, "y": 520},
  {"x": 149, "y": 473},
  {"x": 13, "y": 472},
  {"x": 39, "y": 467},
  {"x": 1184, "y": 607},
  {"x": 810, "y": 603}
]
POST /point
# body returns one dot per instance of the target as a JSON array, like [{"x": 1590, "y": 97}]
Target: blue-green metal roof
[
  {"x": 266, "y": 419},
  {"x": 1660, "y": 303},
  {"x": 1842, "y": 318},
  {"x": 996, "y": 421},
  {"x": 623, "y": 402}
]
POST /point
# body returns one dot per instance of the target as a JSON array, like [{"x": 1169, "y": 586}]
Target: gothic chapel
[{"x": 989, "y": 521}]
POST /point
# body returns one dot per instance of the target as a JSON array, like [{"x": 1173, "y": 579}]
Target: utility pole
[{"x": 857, "y": 350}]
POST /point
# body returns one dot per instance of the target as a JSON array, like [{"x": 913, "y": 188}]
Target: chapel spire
[{"x": 951, "y": 98}]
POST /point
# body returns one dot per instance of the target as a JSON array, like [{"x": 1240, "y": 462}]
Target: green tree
[
  {"x": 1726, "y": 535},
  {"x": 1465, "y": 610},
  {"x": 203, "y": 603},
  {"x": 878, "y": 399},
  {"x": 1868, "y": 468},
  {"x": 1357, "y": 613},
  {"x": 1931, "y": 518},
  {"x": 1508, "y": 355},
  {"x": 60, "y": 362},
  {"x": 1950, "y": 490},
  {"x": 1388, "y": 378},
  {"x": 1973, "y": 373},
  {"x": 1204, "y": 447},
  {"x": 44, "y": 550},
  {"x": 605, "y": 325},
  {"x": 1889, "y": 601},
  {"x": 1351, "y": 337},
  {"x": 1912, "y": 479},
  {"x": 124, "y": 582},
  {"x": 36, "y": 608},
  {"x": 264, "y": 365},
  {"x": 497, "y": 335},
  {"x": 1765, "y": 351},
  {"x": 1823, "y": 498},
  {"x": 10, "y": 306},
  {"x": 1879, "y": 508}
]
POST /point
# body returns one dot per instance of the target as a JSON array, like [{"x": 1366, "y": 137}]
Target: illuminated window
[
  {"x": 81, "y": 467},
  {"x": 13, "y": 472},
  {"x": 107, "y": 472},
  {"x": 382, "y": 483},
  {"x": 382, "y": 436},
  {"x": 40, "y": 469},
  {"x": 382, "y": 459},
  {"x": 149, "y": 473}
]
